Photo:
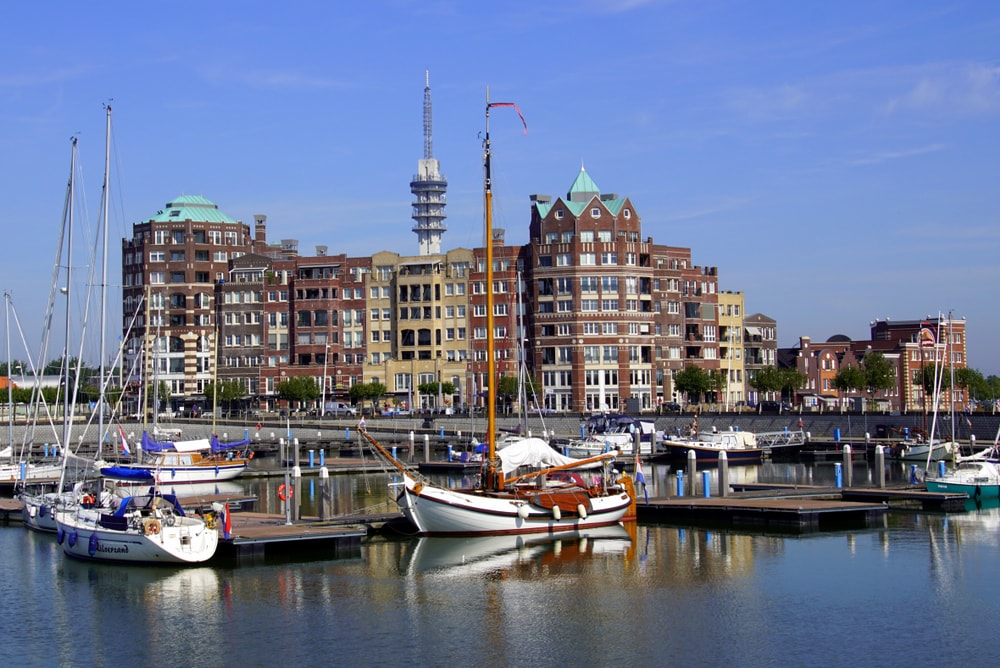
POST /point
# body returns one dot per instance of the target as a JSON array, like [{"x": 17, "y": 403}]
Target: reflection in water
[{"x": 658, "y": 595}]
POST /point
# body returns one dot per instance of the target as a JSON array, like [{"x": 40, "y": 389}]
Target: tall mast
[
  {"x": 104, "y": 281},
  {"x": 494, "y": 472},
  {"x": 66, "y": 292}
]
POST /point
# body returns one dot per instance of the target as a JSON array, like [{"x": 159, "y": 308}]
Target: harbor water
[{"x": 920, "y": 588}]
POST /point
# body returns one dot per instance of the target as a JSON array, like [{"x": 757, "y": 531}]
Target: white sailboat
[{"x": 529, "y": 503}]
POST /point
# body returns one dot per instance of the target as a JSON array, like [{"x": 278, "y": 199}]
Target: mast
[
  {"x": 104, "y": 281},
  {"x": 10, "y": 385},
  {"x": 68, "y": 231},
  {"x": 494, "y": 471}
]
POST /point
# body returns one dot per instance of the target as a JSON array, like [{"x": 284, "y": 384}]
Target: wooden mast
[{"x": 494, "y": 471}]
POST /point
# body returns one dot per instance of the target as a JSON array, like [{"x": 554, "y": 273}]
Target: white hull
[
  {"x": 918, "y": 453},
  {"x": 183, "y": 475},
  {"x": 439, "y": 511},
  {"x": 184, "y": 541},
  {"x": 13, "y": 472},
  {"x": 601, "y": 443}
]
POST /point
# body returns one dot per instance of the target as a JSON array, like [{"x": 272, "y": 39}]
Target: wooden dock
[
  {"x": 907, "y": 497},
  {"x": 774, "y": 514}
]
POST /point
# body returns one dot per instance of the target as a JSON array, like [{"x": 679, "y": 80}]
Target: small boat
[
  {"x": 528, "y": 503},
  {"x": 978, "y": 479},
  {"x": 917, "y": 452},
  {"x": 741, "y": 447},
  {"x": 199, "y": 460},
  {"x": 146, "y": 529},
  {"x": 613, "y": 431}
]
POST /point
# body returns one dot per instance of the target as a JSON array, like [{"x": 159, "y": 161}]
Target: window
[
  {"x": 560, "y": 214},
  {"x": 588, "y": 259},
  {"x": 604, "y": 236},
  {"x": 587, "y": 236},
  {"x": 157, "y": 256},
  {"x": 564, "y": 260},
  {"x": 595, "y": 212}
]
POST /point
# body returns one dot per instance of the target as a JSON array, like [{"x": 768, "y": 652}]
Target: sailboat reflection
[{"x": 465, "y": 555}]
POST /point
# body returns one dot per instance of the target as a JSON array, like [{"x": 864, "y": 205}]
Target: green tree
[
  {"x": 849, "y": 379},
  {"x": 766, "y": 380},
  {"x": 693, "y": 380},
  {"x": 373, "y": 392},
  {"x": 298, "y": 389},
  {"x": 791, "y": 380},
  {"x": 225, "y": 392},
  {"x": 880, "y": 374}
]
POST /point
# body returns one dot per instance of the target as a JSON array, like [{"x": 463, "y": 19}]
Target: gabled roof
[{"x": 191, "y": 207}]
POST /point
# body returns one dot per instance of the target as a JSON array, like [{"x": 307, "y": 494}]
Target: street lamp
[{"x": 322, "y": 401}]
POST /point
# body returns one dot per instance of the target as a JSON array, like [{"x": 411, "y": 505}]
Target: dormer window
[
  {"x": 628, "y": 213},
  {"x": 595, "y": 212},
  {"x": 559, "y": 214}
]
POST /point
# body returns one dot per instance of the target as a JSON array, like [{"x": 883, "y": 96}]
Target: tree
[
  {"x": 767, "y": 380},
  {"x": 693, "y": 380},
  {"x": 225, "y": 392},
  {"x": 791, "y": 380},
  {"x": 299, "y": 389},
  {"x": 718, "y": 380},
  {"x": 880, "y": 374},
  {"x": 849, "y": 379},
  {"x": 362, "y": 392}
]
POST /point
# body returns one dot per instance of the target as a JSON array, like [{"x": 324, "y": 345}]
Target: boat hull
[
  {"x": 706, "y": 454},
  {"x": 974, "y": 490},
  {"x": 179, "y": 475},
  {"x": 187, "y": 541},
  {"x": 437, "y": 511}
]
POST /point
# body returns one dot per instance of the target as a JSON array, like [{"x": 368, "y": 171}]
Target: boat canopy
[{"x": 531, "y": 452}]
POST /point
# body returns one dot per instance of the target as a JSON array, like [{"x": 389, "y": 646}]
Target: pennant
[{"x": 640, "y": 479}]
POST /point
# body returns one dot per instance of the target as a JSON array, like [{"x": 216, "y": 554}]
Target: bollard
[
  {"x": 427, "y": 448},
  {"x": 880, "y": 465},
  {"x": 394, "y": 452},
  {"x": 836, "y": 435},
  {"x": 312, "y": 455},
  {"x": 449, "y": 453},
  {"x": 246, "y": 434},
  {"x": 347, "y": 433},
  {"x": 46, "y": 450},
  {"x": 838, "y": 472},
  {"x": 941, "y": 468},
  {"x": 322, "y": 457},
  {"x": 296, "y": 499},
  {"x": 706, "y": 485},
  {"x": 723, "y": 474},
  {"x": 680, "y": 483},
  {"x": 583, "y": 431},
  {"x": 324, "y": 491},
  {"x": 442, "y": 433},
  {"x": 24, "y": 470},
  {"x": 913, "y": 474},
  {"x": 848, "y": 467},
  {"x": 692, "y": 467}
]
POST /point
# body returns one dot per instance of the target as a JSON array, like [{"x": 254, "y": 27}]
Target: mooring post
[
  {"x": 324, "y": 493},
  {"x": 706, "y": 485},
  {"x": 838, "y": 473},
  {"x": 848, "y": 468},
  {"x": 692, "y": 467},
  {"x": 680, "y": 483},
  {"x": 723, "y": 474},
  {"x": 880, "y": 465}
]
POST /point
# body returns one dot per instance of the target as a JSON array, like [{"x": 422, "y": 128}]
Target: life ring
[
  {"x": 286, "y": 492},
  {"x": 152, "y": 527},
  {"x": 88, "y": 501}
]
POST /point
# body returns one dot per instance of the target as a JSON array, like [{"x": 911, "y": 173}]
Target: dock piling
[
  {"x": 680, "y": 483},
  {"x": 723, "y": 474},
  {"x": 880, "y": 465},
  {"x": 838, "y": 472},
  {"x": 706, "y": 485},
  {"x": 848, "y": 466}
]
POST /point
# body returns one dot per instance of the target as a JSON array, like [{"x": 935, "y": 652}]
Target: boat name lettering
[{"x": 113, "y": 549}]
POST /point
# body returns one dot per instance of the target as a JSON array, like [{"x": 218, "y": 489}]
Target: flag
[
  {"x": 227, "y": 526},
  {"x": 640, "y": 479},
  {"x": 125, "y": 450}
]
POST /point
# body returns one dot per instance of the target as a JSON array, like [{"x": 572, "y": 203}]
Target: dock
[{"x": 796, "y": 515}]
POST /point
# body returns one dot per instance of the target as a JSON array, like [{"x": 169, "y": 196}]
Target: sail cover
[{"x": 531, "y": 452}]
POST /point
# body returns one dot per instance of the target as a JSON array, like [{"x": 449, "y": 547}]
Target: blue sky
[{"x": 836, "y": 161}]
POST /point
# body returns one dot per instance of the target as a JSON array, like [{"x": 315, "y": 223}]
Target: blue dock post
[
  {"x": 322, "y": 457},
  {"x": 442, "y": 433},
  {"x": 838, "y": 470},
  {"x": 836, "y": 435},
  {"x": 449, "y": 453},
  {"x": 706, "y": 485},
  {"x": 583, "y": 430},
  {"x": 347, "y": 433},
  {"x": 913, "y": 474},
  {"x": 680, "y": 483},
  {"x": 941, "y": 469},
  {"x": 394, "y": 452},
  {"x": 46, "y": 450},
  {"x": 312, "y": 456}
]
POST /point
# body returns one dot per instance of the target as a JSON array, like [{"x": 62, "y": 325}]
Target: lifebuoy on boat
[
  {"x": 152, "y": 527},
  {"x": 286, "y": 492},
  {"x": 88, "y": 501}
]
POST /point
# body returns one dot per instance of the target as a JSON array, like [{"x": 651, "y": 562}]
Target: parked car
[
  {"x": 774, "y": 406},
  {"x": 338, "y": 408},
  {"x": 671, "y": 406}
]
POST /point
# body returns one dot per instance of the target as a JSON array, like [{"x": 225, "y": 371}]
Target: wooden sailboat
[{"x": 545, "y": 500}]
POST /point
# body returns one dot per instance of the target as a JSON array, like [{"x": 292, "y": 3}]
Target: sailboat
[
  {"x": 39, "y": 509},
  {"x": 528, "y": 503}
]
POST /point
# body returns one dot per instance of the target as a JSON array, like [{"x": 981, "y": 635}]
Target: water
[{"x": 922, "y": 588}]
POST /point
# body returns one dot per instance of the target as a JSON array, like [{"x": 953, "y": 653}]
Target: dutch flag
[
  {"x": 640, "y": 479},
  {"x": 125, "y": 450}
]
